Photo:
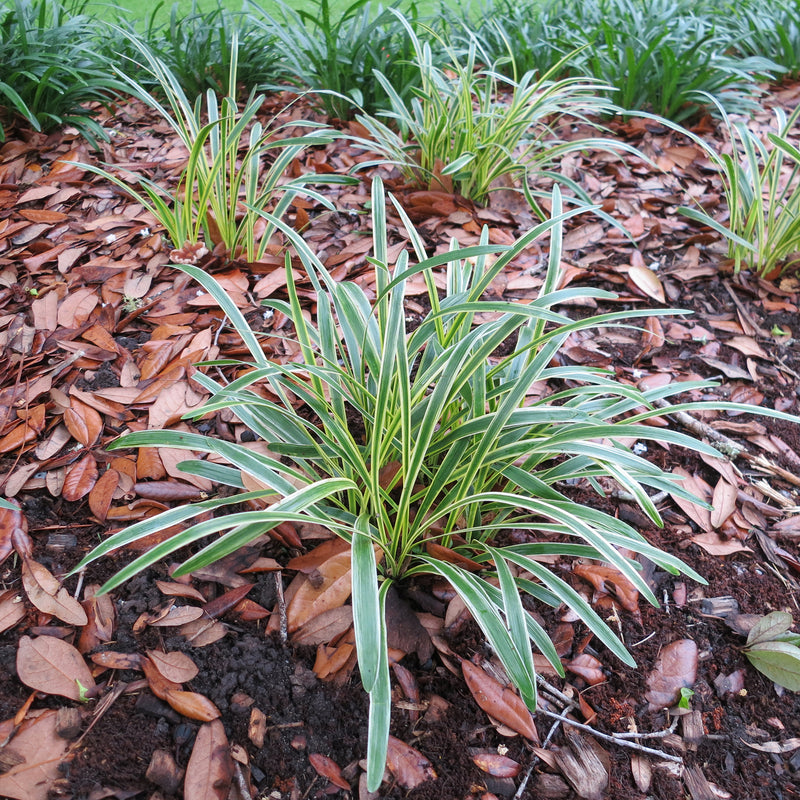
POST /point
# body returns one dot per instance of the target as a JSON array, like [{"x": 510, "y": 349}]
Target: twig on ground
[
  {"x": 534, "y": 761},
  {"x": 615, "y": 738},
  {"x": 557, "y": 694},
  {"x": 281, "y": 606}
]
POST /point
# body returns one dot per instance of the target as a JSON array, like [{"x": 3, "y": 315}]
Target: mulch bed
[{"x": 98, "y": 334}]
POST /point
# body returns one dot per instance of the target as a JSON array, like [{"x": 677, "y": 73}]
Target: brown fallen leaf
[
  {"x": 496, "y": 765},
  {"x": 40, "y": 751},
  {"x": 221, "y": 605},
  {"x": 11, "y": 520},
  {"x": 409, "y": 767},
  {"x": 53, "y": 666},
  {"x": 609, "y": 580},
  {"x": 775, "y": 747},
  {"x": 642, "y": 772},
  {"x": 713, "y": 543},
  {"x": 191, "y": 704},
  {"x": 324, "y": 627},
  {"x": 102, "y": 618},
  {"x": 210, "y": 769},
  {"x": 49, "y": 596},
  {"x": 83, "y": 422},
  {"x": 699, "y": 515},
  {"x": 176, "y": 666},
  {"x": 80, "y": 478},
  {"x": 646, "y": 280},
  {"x": 102, "y": 493},
  {"x": 110, "y": 659},
  {"x": 588, "y": 667},
  {"x": 675, "y": 669},
  {"x": 499, "y": 702},
  {"x": 322, "y": 589},
  {"x": 328, "y": 768},
  {"x": 12, "y": 609}
]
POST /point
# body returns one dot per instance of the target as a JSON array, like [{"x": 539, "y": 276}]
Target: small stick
[
  {"x": 613, "y": 738},
  {"x": 521, "y": 789},
  {"x": 556, "y": 693},
  {"x": 725, "y": 445},
  {"x": 281, "y": 606}
]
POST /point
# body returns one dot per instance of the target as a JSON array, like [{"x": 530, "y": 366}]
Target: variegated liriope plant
[{"x": 469, "y": 452}]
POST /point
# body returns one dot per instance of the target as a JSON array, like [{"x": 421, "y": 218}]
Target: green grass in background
[{"x": 135, "y": 11}]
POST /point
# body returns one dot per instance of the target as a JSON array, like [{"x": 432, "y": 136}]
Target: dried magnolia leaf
[
  {"x": 675, "y": 669},
  {"x": 499, "y": 702},
  {"x": 167, "y": 491},
  {"x": 39, "y": 751},
  {"x": 325, "y": 588},
  {"x": 102, "y": 493},
  {"x": 11, "y": 520},
  {"x": 191, "y": 705},
  {"x": 113, "y": 660},
  {"x": 175, "y": 616},
  {"x": 80, "y": 479},
  {"x": 328, "y": 768},
  {"x": 210, "y": 769},
  {"x": 775, "y": 747},
  {"x": 324, "y": 627},
  {"x": 409, "y": 767},
  {"x": 496, "y": 765},
  {"x": 588, "y": 667},
  {"x": 175, "y": 589},
  {"x": 203, "y": 632},
  {"x": 47, "y": 594},
  {"x": 646, "y": 280},
  {"x": 713, "y": 543},
  {"x": 101, "y": 625},
  {"x": 642, "y": 772},
  {"x": 83, "y": 422},
  {"x": 176, "y": 667},
  {"x": 53, "y": 666},
  {"x": 12, "y": 609},
  {"x": 221, "y": 605},
  {"x": 699, "y": 515},
  {"x": 609, "y": 580},
  {"x": 723, "y": 501}
]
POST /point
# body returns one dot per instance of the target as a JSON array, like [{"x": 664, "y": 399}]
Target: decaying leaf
[
  {"x": 40, "y": 751},
  {"x": 775, "y": 747},
  {"x": 588, "y": 667},
  {"x": 326, "y": 587},
  {"x": 675, "y": 669},
  {"x": 12, "y": 609},
  {"x": 499, "y": 702},
  {"x": 642, "y": 772},
  {"x": 176, "y": 666},
  {"x": 191, "y": 704},
  {"x": 53, "y": 666},
  {"x": 609, "y": 580},
  {"x": 11, "y": 520},
  {"x": 328, "y": 768},
  {"x": 80, "y": 478},
  {"x": 646, "y": 280},
  {"x": 49, "y": 596},
  {"x": 496, "y": 765},
  {"x": 409, "y": 767},
  {"x": 210, "y": 769}
]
